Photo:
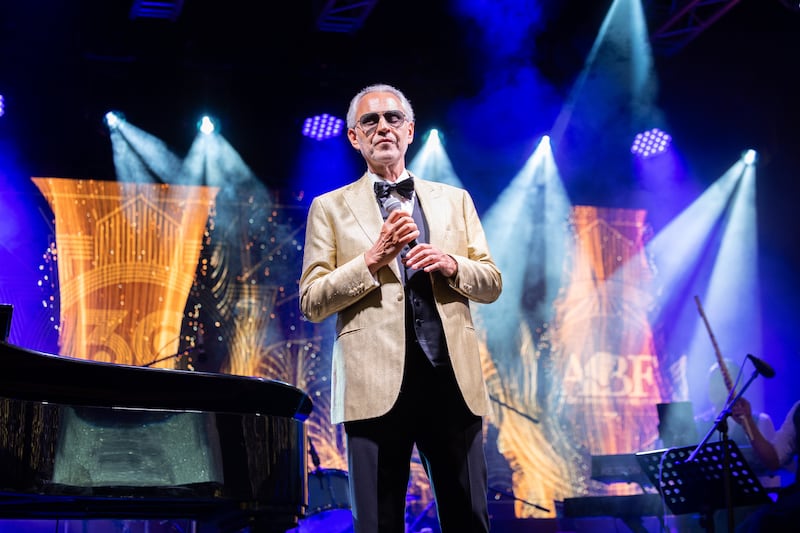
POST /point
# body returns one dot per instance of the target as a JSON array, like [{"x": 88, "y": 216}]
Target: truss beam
[
  {"x": 344, "y": 16},
  {"x": 686, "y": 22}
]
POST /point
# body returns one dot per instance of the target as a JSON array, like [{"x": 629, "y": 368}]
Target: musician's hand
[
  {"x": 741, "y": 410},
  {"x": 425, "y": 257},
  {"x": 765, "y": 450}
]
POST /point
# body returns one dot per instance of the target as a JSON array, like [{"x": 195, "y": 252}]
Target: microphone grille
[{"x": 391, "y": 204}]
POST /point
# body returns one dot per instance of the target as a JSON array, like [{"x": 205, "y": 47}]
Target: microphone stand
[
  {"x": 314, "y": 457},
  {"x": 199, "y": 350},
  {"x": 721, "y": 424},
  {"x": 504, "y": 494}
]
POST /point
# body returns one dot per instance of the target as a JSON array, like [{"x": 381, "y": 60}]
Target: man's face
[{"x": 382, "y": 133}]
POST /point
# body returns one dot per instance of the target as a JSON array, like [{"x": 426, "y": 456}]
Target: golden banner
[{"x": 127, "y": 255}]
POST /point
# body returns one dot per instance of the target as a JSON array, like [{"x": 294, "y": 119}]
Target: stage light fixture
[
  {"x": 750, "y": 157},
  {"x": 113, "y": 119},
  {"x": 2, "y": 106},
  {"x": 206, "y": 125},
  {"x": 321, "y": 127},
  {"x": 651, "y": 142},
  {"x": 433, "y": 135}
]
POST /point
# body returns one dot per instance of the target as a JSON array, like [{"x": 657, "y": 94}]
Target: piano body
[{"x": 85, "y": 440}]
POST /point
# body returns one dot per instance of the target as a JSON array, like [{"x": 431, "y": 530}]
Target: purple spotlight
[
  {"x": 651, "y": 142},
  {"x": 322, "y": 127}
]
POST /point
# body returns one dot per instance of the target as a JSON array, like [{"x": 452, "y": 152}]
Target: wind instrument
[{"x": 726, "y": 375}]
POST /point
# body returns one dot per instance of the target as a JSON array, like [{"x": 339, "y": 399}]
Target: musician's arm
[{"x": 763, "y": 448}]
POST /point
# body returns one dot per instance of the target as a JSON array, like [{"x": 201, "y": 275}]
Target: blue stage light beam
[{"x": 709, "y": 251}]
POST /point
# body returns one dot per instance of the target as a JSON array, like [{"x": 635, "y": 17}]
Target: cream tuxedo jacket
[{"x": 369, "y": 350}]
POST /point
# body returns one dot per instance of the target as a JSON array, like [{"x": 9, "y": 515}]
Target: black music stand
[{"x": 698, "y": 486}]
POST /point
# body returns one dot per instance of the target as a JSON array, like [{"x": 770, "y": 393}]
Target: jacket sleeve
[
  {"x": 478, "y": 278},
  {"x": 326, "y": 286}
]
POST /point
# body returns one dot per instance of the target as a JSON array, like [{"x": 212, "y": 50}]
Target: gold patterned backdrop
[
  {"x": 126, "y": 256},
  {"x": 584, "y": 376},
  {"x": 150, "y": 270},
  {"x": 606, "y": 355}
]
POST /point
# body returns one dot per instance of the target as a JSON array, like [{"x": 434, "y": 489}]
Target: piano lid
[
  {"x": 38, "y": 376},
  {"x": 85, "y": 439}
]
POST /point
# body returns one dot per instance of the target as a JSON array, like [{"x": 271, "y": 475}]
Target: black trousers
[{"x": 430, "y": 413}]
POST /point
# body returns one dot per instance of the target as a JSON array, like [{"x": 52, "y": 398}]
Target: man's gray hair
[{"x": 378, "y": 88}]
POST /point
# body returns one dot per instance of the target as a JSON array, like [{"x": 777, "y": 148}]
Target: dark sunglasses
[{"x": 369, "y": 121}]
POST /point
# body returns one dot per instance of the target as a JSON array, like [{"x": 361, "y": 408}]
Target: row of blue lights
[
  {"x": 322, "y": 127},
  {"x": 651, "y": 142}
]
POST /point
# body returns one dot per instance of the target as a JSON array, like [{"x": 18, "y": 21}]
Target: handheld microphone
[
  {"x": 393, "y": 204},
  {"x": 761, "y": 366}
]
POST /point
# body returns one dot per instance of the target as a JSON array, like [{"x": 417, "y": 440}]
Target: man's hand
[
  {"x": 741, "y": 410},
  {"x": 426, "y": 257},
  {"x": 398, "y": 230},
  {"x": 765, "y": 450}
]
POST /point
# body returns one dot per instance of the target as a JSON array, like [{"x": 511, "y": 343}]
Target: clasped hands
[{"x": 397, "y": 231}]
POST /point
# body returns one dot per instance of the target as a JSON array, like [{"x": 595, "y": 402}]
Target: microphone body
[
  {"x": 761, "y": 366},
  {"x": 390, "y": 203}
]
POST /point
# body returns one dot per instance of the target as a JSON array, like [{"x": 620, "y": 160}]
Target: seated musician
[
  {"x": 775, "y": 453},
  {"x": 718, "y": 392},
  {"x": 718, "y": 395}
]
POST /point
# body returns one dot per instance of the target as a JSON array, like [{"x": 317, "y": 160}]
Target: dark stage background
[{"x": 492, "y": 78}]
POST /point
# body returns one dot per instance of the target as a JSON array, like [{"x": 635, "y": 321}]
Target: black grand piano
[{"x": 86, "y": 440}]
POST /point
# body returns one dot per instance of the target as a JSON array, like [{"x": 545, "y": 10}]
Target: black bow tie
[{"x": 404, "y": 188}]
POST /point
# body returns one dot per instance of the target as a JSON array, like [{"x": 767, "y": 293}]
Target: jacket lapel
[
  {"x": 429, "y": 195},
  {"x": 360, "y": 199}
]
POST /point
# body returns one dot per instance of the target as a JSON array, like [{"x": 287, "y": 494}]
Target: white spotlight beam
[
  {"x": 530, "y": 214},
  {"x": 732, "y": 298},
  {"x": 683, "y": 240},
  {"x": 620, "y": 52},
  {"x": 156, "y": 162},
  {"x": 212, "y": 161},
  {"x": 709, "y": 250},
  {"x": 432, "y": 162}
]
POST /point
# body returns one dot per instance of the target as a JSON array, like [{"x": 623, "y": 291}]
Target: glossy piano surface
[{"x": 82, "y": 439}]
